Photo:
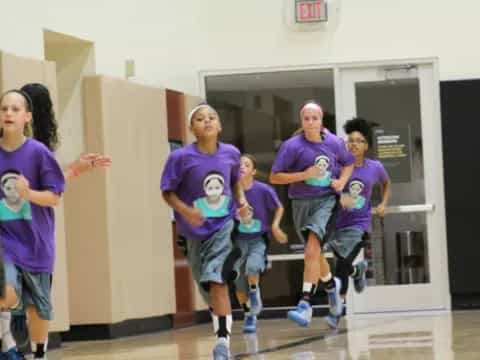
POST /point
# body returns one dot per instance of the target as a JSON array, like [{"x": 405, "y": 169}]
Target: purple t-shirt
[
  {"x": 203, "y": 181},
  {"x": 359, "y": 187},
  {"x": 27, "y": 230},
  {"x": 263, "y": 200},
  {"x": 297, "y": 154}
]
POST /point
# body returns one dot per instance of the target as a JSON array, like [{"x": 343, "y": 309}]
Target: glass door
[{"x": 407, "y": 250}]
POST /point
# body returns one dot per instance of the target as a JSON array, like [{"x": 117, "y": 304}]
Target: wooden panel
[
  {"x": 176, "y": 116},
  {"x": 129, "y": 122}
]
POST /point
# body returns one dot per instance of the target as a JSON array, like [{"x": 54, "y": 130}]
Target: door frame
[
  {"x": 337, "y": 68},
  {"x": 434, "y": 295}
]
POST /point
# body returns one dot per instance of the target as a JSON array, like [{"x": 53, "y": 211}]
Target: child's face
[
  {"x": 246, "y": 168},
  {"x": 355, "y": 190},
  {"x": 322, "y": 164},
  {"x": 312, "y": 121},
  {"x": 13, "y": 113},
  {"x": 214, "y": 189},
  {"x": 205, "y": 123},
  {"x": 10, "y": 190},
  {"x": 357, "y": 144}
]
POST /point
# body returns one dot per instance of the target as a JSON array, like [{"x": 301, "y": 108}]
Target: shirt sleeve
[
  {"x": 382, "y": 173},
  {"x": 344, "y": 156},
  {"x": 271, "y": 198},
  {"x": 284, "y": 159},
  {"x": 235, "y": 174},
  {"x": 51, "y": 174},
  {"x": 172, "y": 172}
]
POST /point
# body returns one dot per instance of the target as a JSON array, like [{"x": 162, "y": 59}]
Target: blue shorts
[
  {"x": 313, "y": 215},
  {"x": 33, "y": 289},
  {"x": 344, "y": 241},
  {"x": 252, "y": 262},
  {"x": 207, "y": 257}
]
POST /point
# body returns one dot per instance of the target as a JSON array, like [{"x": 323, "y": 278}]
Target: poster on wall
[{"x": 393, "y": 149}]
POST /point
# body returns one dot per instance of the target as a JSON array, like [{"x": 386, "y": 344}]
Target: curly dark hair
[
  {"x": 44, "y": 125},
  {"x": 362, "y": 126}
]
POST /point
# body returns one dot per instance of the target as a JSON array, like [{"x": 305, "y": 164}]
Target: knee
[
  {"x": 253, "y": 268},
  {"x": 312, "y": 254}
]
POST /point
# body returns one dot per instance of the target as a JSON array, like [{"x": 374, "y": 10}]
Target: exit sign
[{"x": 310, "y": 11}]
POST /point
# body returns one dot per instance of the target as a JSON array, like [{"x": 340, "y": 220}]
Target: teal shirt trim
[
  {"x": 255, "y": 228},
  {"x": 7, "y": 214},
  {"x": 324, "y": 181},
  {"x": 208, "y": 212}
]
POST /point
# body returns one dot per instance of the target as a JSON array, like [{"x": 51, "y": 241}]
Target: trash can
[{"x": 411, "y": 257}]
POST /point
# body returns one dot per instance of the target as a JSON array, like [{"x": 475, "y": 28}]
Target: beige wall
[
  {"x": 15, "y": 72},
  {"x": 74, "y": 59},
  {"x": 171, "y": 41},
  {"x": 126, "y": 235}
]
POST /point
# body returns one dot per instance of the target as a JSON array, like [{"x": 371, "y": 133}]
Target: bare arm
[
  {"x": 284, "y": 178},
  {"x": 239, "y": 195},
  {"x": 277, "y": 217},
  {"x": 277, "y": 232},
  {"x": 68, "y": 174},
  {"x": 42, "y": 198},
  {"x": 86, "y": 163},
  {"x": 386, "y": 193},
  {"x": 192, "y": 215},
  {"x": 339, "y": 184}
]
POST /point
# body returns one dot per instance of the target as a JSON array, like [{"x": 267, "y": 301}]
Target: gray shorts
[
  {"x": 207, "y": 257},
  {"x": 343, "y": 241},
  {"x": 252, "y": 262},
  {"x": 313, "y": 215},
  {"x": 33, "y": 289}
]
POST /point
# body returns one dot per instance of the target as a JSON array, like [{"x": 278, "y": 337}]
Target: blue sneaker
[
  {"x": 250, "y": 326},
  {"x": 302, "y": 314},
  {"x": 334, "y": 299},
  {"x": 12, "y": 354},
  {"x": 256, "y": 305},
  {"x": 332, "y": 321},
  {"x": 221, "y": 350},
  {"x": 360, "y": 279}
]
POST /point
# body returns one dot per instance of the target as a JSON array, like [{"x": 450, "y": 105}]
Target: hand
[
  {"x": 88, "y": 162},
  {"x": 346, "y": 201},
  {"x": 242, "y": 210},
  {"x": 23, "y": 187},
  {"x": 337, "y": 185},
  {"x": 312, "y": 172},
  {"x": 194, "y": 217},
  {"x": 379, "y": 210},
  {"x": 279, "y": 235}
]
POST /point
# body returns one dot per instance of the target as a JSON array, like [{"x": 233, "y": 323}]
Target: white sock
[
  {"x": 34, "y": 348},
  {"x": 307, "y": 287},
  {"x": 229, "y": 328},
  {"x": 215, "y": 322},
  {"x": 8, "y": 342},
  {"x": 326, "y": 278},
  {"x": 229, "y": 322}
]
